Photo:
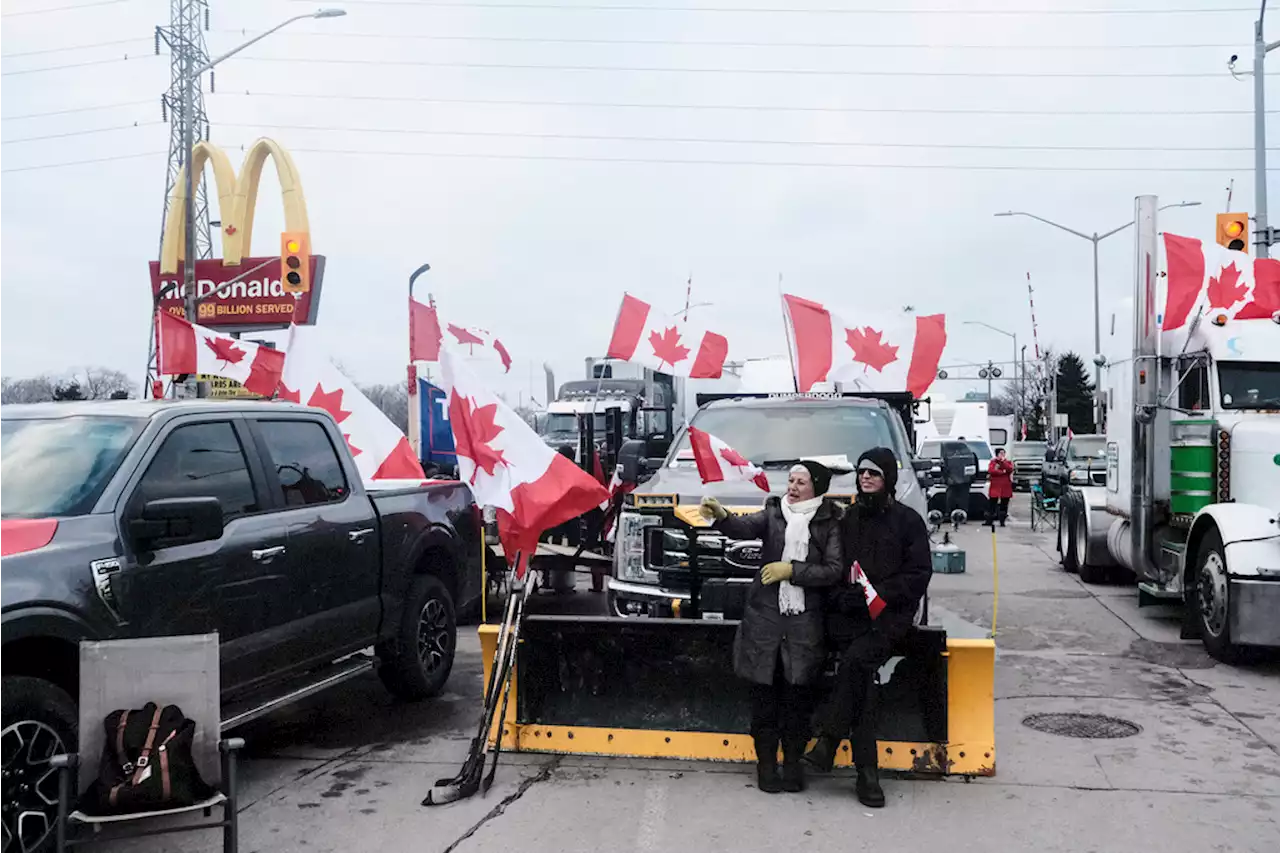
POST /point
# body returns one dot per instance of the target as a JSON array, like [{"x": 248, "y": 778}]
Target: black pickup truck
[{"x": 144, "y": 519}]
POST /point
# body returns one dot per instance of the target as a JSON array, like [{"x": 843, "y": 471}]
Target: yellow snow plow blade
[{"x": 665, "y": 688}]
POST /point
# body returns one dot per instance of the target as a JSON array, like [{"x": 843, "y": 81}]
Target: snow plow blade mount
[{"x": 665, "y": 688}]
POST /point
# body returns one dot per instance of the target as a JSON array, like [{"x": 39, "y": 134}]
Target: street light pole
[
  {"x": 1094, "y": 238},
  {"x": 191, "y": 79},
  {"x": 1013, "y": 365}
]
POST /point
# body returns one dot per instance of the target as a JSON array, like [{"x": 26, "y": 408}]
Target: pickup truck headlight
[
  {"x": 1078, "y": 477},
  {"x": 629, "y": 549}
]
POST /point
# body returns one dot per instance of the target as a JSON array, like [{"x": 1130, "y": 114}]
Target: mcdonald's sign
[{"x": 238, "y": 292}]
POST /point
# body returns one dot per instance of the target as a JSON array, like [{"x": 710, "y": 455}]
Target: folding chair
[
  {"x": 126, "y": 674},
  {"x": 1044, "y": 509}
]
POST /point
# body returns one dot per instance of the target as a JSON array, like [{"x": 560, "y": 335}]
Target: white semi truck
[{"x": 1192, "y": 495}]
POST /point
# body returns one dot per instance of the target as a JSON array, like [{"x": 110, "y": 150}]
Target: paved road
[{"x": 347, "y": 771}]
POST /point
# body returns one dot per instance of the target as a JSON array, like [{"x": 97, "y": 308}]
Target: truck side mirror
[
  {"x": 177, "y": 521},
  {"x": 631, "y": 460}
]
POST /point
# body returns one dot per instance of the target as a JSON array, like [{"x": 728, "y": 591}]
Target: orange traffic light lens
[
  {"x": 293, "y": 263},
  {"x": 293, "y": 245},
  {"x": 1234, "y": 228}
]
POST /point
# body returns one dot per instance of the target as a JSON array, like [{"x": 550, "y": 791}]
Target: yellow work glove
[
  {"x": 710, "y": 509},
  {"x": 775, "y": 573}
]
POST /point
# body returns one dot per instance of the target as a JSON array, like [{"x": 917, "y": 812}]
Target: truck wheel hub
[
  {"x": 30, "y": 785},
  {"x": 1213, "y": 594},
  {"x": 433, "y": 636}
]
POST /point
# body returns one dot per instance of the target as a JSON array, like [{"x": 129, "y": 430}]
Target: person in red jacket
[{"x": 999, "y": 486}]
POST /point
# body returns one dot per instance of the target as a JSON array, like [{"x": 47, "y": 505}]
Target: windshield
[
  {"x": 931, "y": 450},
  {"x": 999, "y": 436},
  {"x": 59, "y": 466},
  {"x": 1093, "y": 447},
  {"x": 1249, "y": 384},
  {"x": 981, "y": 449},
  {"x": 1028, "y": 450},
  {"x": 566, "y": 423},
  {"x": 778, "y": 436}
]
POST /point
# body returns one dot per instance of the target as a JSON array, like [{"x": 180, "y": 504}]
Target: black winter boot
[
  {"x": 870, "y": 794},
  {"x": 767, "y": 778},
  {"x": 822, "y": 757},
  {"x": 792, "y": 767}
]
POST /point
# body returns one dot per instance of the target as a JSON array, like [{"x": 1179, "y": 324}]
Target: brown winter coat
[{"x": 765, "y": 634}]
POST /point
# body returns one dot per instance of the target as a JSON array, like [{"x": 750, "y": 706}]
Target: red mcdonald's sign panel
[{"x": 236, "y": 300}]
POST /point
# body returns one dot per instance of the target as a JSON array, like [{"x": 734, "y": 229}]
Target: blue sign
[{"x": 437, "y": 437}]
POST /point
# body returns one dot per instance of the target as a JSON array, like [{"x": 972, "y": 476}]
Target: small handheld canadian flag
[
  {"x": 875, "y": 604},
  {"x": 718, "y": 462}
]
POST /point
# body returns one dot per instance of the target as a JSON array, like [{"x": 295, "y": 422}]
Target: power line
[
  {"x": 670, "y": 70},
  {"x": 511, "y": 102},
  {"x": 724, "y": 141},
  {"x": 76, "y": 65},
  {"x": 75, "y": 47},
  {"x": 746, "y": 44},
  {"x": 61, "y": 9},
  {"x": 86, "y": 132},
  {"x": 76, "y": 110},
  {"x": 67, "y": 163},
  {"x": 775, "y": 163},
  {"x": 445, "y": 4}
]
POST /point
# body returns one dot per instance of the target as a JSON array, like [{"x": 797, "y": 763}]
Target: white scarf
[{"x": 795, "y": 549}]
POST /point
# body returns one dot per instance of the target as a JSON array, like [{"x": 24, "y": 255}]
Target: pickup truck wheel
[
  {"x": 1212, "y": 600},
  {"x": 39, "y": 722},
  {"x": 420, "y": 666},
  {"x": 1089, "y": 573}
]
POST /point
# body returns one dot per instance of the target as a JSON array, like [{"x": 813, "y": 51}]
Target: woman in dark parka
[{"x": 780, "y": 646}]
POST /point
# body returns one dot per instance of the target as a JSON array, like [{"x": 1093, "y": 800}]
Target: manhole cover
[{"x": 1082, "y": 725}]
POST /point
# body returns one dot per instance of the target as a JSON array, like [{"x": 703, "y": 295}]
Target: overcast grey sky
[{"x": 538, "y": 240}]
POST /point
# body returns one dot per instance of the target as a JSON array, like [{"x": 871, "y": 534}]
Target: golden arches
[{"x": 237, "y": 198}]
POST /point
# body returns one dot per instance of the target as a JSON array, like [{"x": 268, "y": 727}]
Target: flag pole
[{"x": 786, "y": 328}]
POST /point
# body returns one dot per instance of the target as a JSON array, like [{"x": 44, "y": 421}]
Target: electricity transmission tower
[{"x": 185, "y": 38}]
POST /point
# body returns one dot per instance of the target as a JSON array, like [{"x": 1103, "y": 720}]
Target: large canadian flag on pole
[
  {"x": 1209, "y": 278},
  {"x": 647, "y": 337},
  {"x": 187, "y": 348},
  {"x": 532, "y": 487},
  {"x": 874, "y": 353},
  {"x": 380, "y": 449},
  {"x": 718, "y": 462},
  {"x": 427, "y": 336}
]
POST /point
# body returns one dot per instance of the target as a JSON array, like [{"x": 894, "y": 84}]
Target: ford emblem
[{"x": 743, "y": 555}]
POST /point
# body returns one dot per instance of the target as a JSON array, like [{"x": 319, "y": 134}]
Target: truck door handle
[
  {"x": 266, "y": 555},
  {"x": 358, "y": 536}
]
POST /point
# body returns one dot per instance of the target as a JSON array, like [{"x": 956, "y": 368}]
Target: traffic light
[
  {"x": 1233, "y": 231},
  {"x": 295, "y": 261}
]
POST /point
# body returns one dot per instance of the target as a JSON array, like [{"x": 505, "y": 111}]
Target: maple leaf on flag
[
  {"x": 331, "y": 402},
  {"x": 1225, "y": 289},
  {"x": 471, "y": 437},
  {"x": 869, "y": 349},
  {"x": 734, "y": 458},
  {"x": 1266, "y": 291},
  {"x": 464, "y": 336},
  {"x": 503, "y": 354},
  {"x": 225, "y": 349},
  {"x": 355, "y": 451},
  {"x": 284, "y": 392},
  {"x": 667, "y": 346}
]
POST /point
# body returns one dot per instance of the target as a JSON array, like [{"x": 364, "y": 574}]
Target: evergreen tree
[{"x": 1075, "y": 393}]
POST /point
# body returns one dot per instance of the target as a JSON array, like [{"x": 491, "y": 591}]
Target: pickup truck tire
[
  {"x": 1066, "y": 540},
  {"x": 39, "y": 721},
  {"x": 423, "y": 657}
]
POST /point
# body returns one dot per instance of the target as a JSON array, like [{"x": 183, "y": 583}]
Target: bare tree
[
  {"x": 92, "y": 383},
  {"x": 103, "y": 383},
  {"x": 393, "y": 400},
  {"x": 37, "y": 389}
]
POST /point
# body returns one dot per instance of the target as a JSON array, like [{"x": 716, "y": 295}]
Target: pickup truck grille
[
  {"x": 669, "y": 553},
  {"x": 1028, "y": 467}
]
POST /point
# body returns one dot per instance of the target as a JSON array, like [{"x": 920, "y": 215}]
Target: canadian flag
[
  {"x": 652, "y": 339},
  {"x": 874, "y": 354},
  {"x": 875, "y": 604},
  {"x": 380, "y": 449},
  {"x": 718, "y": 462},
  {"x": 1211, "y": 278},
  {"x": 508, "y": 467},
  {"x": 187, "y": 348},
  {"x": 426, "y": 336},
  {"x": 613, "y": 504}
]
